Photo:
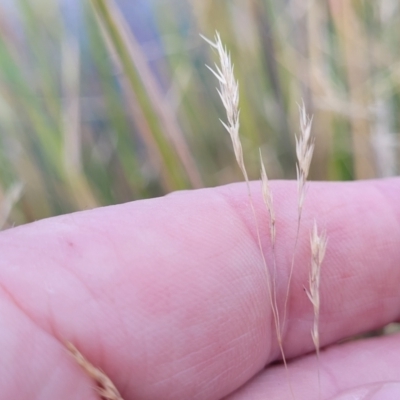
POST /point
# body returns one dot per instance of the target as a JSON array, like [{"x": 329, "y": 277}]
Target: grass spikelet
[
  {"x": 268, "y": 201},
  {"x": 318, "y": 249},
  {"x": 304, "y": 153},
  {"x": 106, "y": 388}
]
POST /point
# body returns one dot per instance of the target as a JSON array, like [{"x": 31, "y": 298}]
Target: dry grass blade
[
  {"x": 106, "y": 388},
  {"x": 318, "y": 249}
]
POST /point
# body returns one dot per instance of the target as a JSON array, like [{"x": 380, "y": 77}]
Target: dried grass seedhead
[
  {"x": 318, "y": 245},
  {"x": 106, "y": 388},
  {"x": 229, "y": 92},
  {"x": 304, "y": 153},
  {"x": 318, "y": 249},
  {"x": 268, "y": 200}
]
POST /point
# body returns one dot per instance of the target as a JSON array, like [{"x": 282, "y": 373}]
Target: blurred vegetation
[{"x": 99, "y": 118}]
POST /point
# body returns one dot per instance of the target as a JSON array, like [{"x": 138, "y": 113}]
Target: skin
[{"x": 169, "y": 297}]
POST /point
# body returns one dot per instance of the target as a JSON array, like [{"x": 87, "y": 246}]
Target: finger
[
  {"x": 169, "y": 296},
  {"x": 33, "y": 365},
  {"x": 360, "y": 273},
  {"x": 355, "y": 370},
  {"x": 155, "y": 293}
]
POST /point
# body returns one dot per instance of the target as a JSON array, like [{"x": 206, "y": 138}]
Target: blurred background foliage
[{"x": 103, "y": 101}]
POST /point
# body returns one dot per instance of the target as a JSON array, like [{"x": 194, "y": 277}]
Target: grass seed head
[
  {"x": 268, "y": 200},
  {"x": 318, "y": 248},
  {"x": 106, "y": 387},
  {"x": 304, "y": 153},
  {"x": 229, "y": 93}
]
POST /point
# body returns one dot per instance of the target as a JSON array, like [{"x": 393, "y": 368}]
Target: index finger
[{"x": 169, "y": 296}]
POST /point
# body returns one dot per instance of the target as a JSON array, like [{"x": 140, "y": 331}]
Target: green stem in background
[
  {"x": 173, "y": 169},
  {"x": 16, "y": 89},
  {"x": 268, "y": 52},
  {"x": 43, "y": 33},
  {"x": 115, "y": 111}
]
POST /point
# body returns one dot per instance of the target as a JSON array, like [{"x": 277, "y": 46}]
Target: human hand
[{"x": 169, "y": 297}]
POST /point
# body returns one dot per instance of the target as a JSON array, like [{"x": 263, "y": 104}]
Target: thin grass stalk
[
  {"x": 268, "y": 201},
  {"x": 304, "y": 153},
  {"x": 229, "y": 94}
]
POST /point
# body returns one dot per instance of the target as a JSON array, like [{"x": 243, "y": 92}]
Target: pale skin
[{"x": 169, "y": 297}]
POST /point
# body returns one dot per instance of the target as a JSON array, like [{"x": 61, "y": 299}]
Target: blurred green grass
[{"x": 105, "y": 120}]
